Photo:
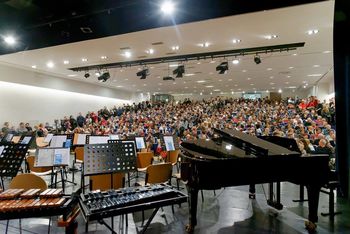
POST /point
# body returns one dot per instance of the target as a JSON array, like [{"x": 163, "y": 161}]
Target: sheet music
[
  {"x": 98, "y": 139},
  {"x": 57, "y": 141},
  {"x": 61, "y": 156},
  {"x": 1, "y": 149},
  {"x": 80, "y": 139},
  {"x": 43, "y": 158},
  {"x": 26, "y": 140},
  {"x": 169, "y": 143},
  {"x": 140, "y": 143},
  {"x": 9, "y": 137},
  {"x": 48, "y": 138},
  {"x": 114, "y": 137}
]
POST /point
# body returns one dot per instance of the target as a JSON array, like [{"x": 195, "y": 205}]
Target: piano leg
[
  {"x": 313, "y": 193},
  {"x": 192, "y": 200}
]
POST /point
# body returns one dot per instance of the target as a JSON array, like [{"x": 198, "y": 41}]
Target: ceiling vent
[{"x": 86, "y": 30}]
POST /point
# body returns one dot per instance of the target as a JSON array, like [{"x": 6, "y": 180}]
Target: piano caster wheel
[
  {"x": 251, "y": 195},
  {"x": 189, "y": 228},
  {"x": 310, "y": 226}
]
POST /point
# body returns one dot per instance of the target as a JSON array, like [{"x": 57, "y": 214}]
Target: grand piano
[{"x": 234, "y": 158}]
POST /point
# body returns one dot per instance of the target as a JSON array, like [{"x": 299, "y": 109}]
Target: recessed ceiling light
[
  {"x": 251, "y": 84},
  {"x": 144, "y": 84},
  {"x": 269, "y": 69},
  {"x": 121, "y": 70},
  {"x": 235, "y": 61},
  {"x": 150, "y": 51},
  {"x": 127, "y": 54},
  {"x": 201, "y": 93},
  {"x": 280, "y": 90},
  {"x": 294, "y": 54},
  {"x": 235, "y": 41},
  {"x": 316, "y": 65},
  {"x": 119, "y": 86},
  {"x": 175, "y": 47},
  {"x": 267, "y": 91},
  {"x": 312, "y": 31},
  {"x": 315, "y": 75},
  {"x": 244, "y": 70},
  {"x": 326, "y": 51},
  {"x": 167, "y": 7},
  {"x": 190, "y": 74},
  {"x": 10, "y": 40},
  {"x": 212, "y": 61},
  {"x": 288, "y": 76},
  {"x": 291, "y": 67},
  {"x": 216, "y": 90},
  {"x": 232, "y": 92},
  {"x": 173, "y": 65},
  {"x": 211, "y": 93},
  {"x": 84, "y": 59},
  {"x": 103, "y": 57},
  {"x": 209, "y": 86},
  {"x": 199, "y": 63},
  {"x": 200, "y": 81},
  {"x": 50, "y": 64},
  {"x": 249, "y": 78},
  {"x": 72, "y": 75},
  {"x": 205, "y": 44},
  {"x": 269, "y": 37},
  {"x": 271, "y": 77},
  {"x": 97, "y": 74},
  {"x": 34, "y": 66},
  {"x": 66, "y": 62},
  {"x": 243, "y": 91},
  {"x": 229, "y": 79}
]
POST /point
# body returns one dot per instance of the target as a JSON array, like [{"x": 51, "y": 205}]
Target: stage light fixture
[
  {"x": 87, "y": 75},
  {"x": 257, "y": 59},
  {"x": 222, "y": 68},
  {"x": 179, "y": 71},
  {"x": 143, "y": 73},
  {"x": 104, "y": 77}
]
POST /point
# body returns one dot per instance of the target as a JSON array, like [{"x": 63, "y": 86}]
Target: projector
[{"x": 168, "y": 78}]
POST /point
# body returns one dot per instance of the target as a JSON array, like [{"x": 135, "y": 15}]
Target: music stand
[{"x": 11, "y": 158}]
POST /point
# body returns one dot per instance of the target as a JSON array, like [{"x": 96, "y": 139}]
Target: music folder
[
  {"x": 140, "y": 143},
  {"x": 169, "y": 143}
]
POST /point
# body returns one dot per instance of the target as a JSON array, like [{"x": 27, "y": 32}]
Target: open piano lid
[{"x": 234, "y": 144}]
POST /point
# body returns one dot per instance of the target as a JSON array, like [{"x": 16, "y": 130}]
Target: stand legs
[{"x": 192, "y": 200}]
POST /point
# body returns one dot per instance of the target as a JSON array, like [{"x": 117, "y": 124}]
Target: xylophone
[
  {"x": 97, "y": 205},
  {"x": 20, "y": 203}
]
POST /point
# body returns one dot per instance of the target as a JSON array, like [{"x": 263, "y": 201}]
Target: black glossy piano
[{"x": 234, "y": 158}]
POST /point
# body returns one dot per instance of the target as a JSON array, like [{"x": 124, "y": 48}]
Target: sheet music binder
[
  {"x": 11, "y": 158},
  {"x": 49, "y": 157},
  {"x": 109, "y": 158}
]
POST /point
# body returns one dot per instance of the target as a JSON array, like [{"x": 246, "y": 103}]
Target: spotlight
[
  {"x": 86, "y": 75},
  {"x": 222, "y": 68},
  {"x": 104, "y": 77},
  {"x": 143, "y": 73},
  {"x": 10, "y": 40},
  {"x": 179, "y": 71},
  {"x": 167, "y": 7},
  {"x": 257, "y": 59}
]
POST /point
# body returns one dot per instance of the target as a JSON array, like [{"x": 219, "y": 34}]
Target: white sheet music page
[
  {"x": 1, "y": 149},
  {"x": 44, "y": 158},
  {"x": 48, "y": 138},
  {"x": 57, "y": 141},
  {"x": 81, "y": 139},
  {"x": 98, "y": 139},
  {"x": 61, "y": 156}
]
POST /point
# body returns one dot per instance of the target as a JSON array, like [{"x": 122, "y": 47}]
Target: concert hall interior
[{"x": 174, "y": 116}]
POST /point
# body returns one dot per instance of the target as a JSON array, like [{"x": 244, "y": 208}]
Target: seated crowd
[{"x": 310, "y": 122}]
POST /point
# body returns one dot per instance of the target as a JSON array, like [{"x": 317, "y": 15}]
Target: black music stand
[
  {"x": 11, "y": 160},
  {"x": 110, "y": 158}
]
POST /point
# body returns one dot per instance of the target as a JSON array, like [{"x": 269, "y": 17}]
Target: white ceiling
[{"x": 279, "y": 70}]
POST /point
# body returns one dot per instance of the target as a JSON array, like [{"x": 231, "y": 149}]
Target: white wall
[{"x": 33, "y": 97}]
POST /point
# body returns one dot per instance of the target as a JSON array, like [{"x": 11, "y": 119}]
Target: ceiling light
[
  {"x": 304, "y": 86},
  {"x": 97, "y": 73},
  {"x": 200, "y": 81},
  {"x": 257, "y": 59},
  {"x": 201, "y": 93},
  {"x": 127, "y": 54},
  {"x": 175, "y": 47},
  {"x": 179, "y": 71},
  {"x": 86, "y": 75},
  {"x": 209, "y": 86},
  {"x": 167, "y": 7},
  {"x": 216, "y": 90},
  {"x": 235, "y": 41},
  {"x": 205, "y": 44},
  {"x": 186, "y": 87},
  {"x": 232, "y": 92},
  {"x": 235, "y": 61},
  {"x": 103, "y": 57},
  {"x": 173, "y": 65},
  {"x": 34, "y": 66},
  {"x": 269, "y": 37},
  {"x": 315, "y": 75},
  {"x": 150, "y": 51},
  {"x": 316, "y": 65},
  {"x": 267, "y": 91},
  {"x": 313, "y": 31},
  {"x": 251, "y": 84},
  {"x": 249, "y": 78},
  {"x": 50, "y": 64},
  {"x": 222, "y": 68},
  {"x": 294, "y": 54},
  {"x": 119, "y": 86},
  {"x": 211, "y": 93},
  {"x": 326, "y": 51},
  {"x": 271, "y": 77},
  {"x": 65, "y": 62},
  {"x": 84, "y": 59},
  {"x": 104, "y": 77},
  {"x": 229, "y": 79},
  {"x": 269, "y": 69},
  {"x": 291, "y": 67},
  {"x": 72, "y": 75},
  {"x": 280, "y": 90},
  {"x": 190, "y": 74},
  {"x": 143, "y": 73},
  {"x": 244, "y": 70},
  {"x": 10, "y": 40}
]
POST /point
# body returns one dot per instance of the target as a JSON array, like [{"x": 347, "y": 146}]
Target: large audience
[{"x": 309, "y": 121}]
